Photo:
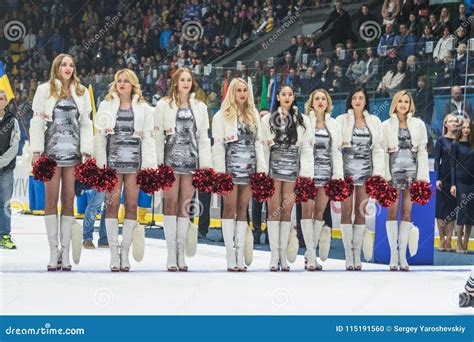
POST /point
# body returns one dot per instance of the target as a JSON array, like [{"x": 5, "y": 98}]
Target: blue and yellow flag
[
  {"x": 91, "y": 95},
  {"x": 5, "y": 83}
]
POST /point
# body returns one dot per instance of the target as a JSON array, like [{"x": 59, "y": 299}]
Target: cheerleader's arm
[
  {"x": 148, "y": 143},
  {"x": 423, "y": 170},
  {"x": 218, "y": 149}
]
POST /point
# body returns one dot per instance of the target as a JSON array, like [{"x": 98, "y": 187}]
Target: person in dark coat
[
  {"x": 463, "y": 109},
  {"x": 341, "y": 21},
  {"x": 424, "y": 101}
]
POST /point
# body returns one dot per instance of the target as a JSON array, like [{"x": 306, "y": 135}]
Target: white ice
[{"x": 91, "y": 289}]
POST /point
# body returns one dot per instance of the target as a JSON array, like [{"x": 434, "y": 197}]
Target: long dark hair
[
  {"x": 356, "y": 90},
  {"x": 470, "y": 139},
  {"x": 290, "y": 124}
]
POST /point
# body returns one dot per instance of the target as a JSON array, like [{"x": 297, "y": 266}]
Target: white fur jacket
[
  {"x": 142, "y": 124},
  {"x": 305, "y": 143},
  {"x": 165, "y": 124},
  {"x": 374, "y": 124},
  {"x": 224, "y": 132},
  {"x": 419, "y": 140},
  {"x": 334, "y": 130},
  {"x": 43, "y": 106}
]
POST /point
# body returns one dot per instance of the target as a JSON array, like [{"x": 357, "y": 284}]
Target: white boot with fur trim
[
  {"x": 392, "y": 236},
  {"x": 111, "y": 226},
  {"x": 51, "y": 223},
  {"x": 241, "y": 236},
  {"x": 403, "y": 244},
  {"x": 309, "y": 240},
  {"x": 127, "y": 238},
  {"x": 228, "y": 229},
  {"x": 285, "y": 229},
  {"x": 358, "y": 237},
  {"x": 347, "y": 233},
  {"x": 169, "y": 226},
  {"x": 66, "y": 235},
  {"x": 273, "y": 229},
  {"x": 182, "y": 233}
]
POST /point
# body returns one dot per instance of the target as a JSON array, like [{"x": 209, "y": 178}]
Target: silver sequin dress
[
  {"x": 322, "y": 156},
  {"x": 181, "y": 148},
  {"x": 123, "y": 149},
  {"x": 358, "y": 157},
  {"x": 62, "y": 137},
  {"x": 284, "y": 160},
  {"x": 240, "y": 155},
  {"x": 403, "y": 161}
]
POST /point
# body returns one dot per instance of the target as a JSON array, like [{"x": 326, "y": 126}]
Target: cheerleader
[
  {"x": 406, "y": 160},
  {"x": 237, "y": 150},
  {"x": 327, "y": 165},
  {"x": 124, "y": 142},
  {"x": 362, "y": 157},
  {"x": 182, "y": 142},
  {"x": 61, "y": 129},
  {"x": 287, "y": 142},
  {"x": 445, "y": 202},
  {"x": 462, "y": 180}
]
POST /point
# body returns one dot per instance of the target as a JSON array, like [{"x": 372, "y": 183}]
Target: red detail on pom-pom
[
  {"x": 373, "y": 184},
  {"x": 204, "y": 180},
  {"x": 149, "y": 180},
  {"x": 166, "y": 177},
  {"x": 223, "y": 184},
  {"x": 263, "y": 187},
  {"x": 378, "y": 188},
  {"x": 305, "y": 189},
  {"x": 339, "y": 190},
  {"x": 107, "y": 180},
  {"x": 87, "y": 173},
  {"x": 44, "y": 168},
  {"x": 420, "y": 192}
]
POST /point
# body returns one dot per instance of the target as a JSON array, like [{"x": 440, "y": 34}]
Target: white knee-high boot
[
  {"x": 66, "y": 235},
  {"x": 310, "y": 241},
  {"x": 169, "y": 227},
  {"x": 228, "y": 230},
  {"x": 241, "y": 236},
  {"x": 51, "y": 223},
  {"x": 358, "y": 236},
  {"x": 392, "y": 236},
  {"x": 322, "y": 237},
  {"x": 403, "y": 244},
  {"x": 111, "y": 226},
  {"x": 285, "y": 228},
  {"x": 273, "y": 228},
  {"x": 127, "y": 238},
  {"x": 347, "y": 233},
  {"x": 182, "y": 232}
]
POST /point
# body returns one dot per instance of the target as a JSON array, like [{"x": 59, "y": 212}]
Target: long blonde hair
[
  {"x": 231, "y": 109},
  {"x": 132, "y": 78},
  {"x": 398, "y": 95},
  {"x": 173, "y": 96},
  {"x": 308, "y": 106},
  {"x": 55, "y": 75},
  {"x": 446, "y": 118}
]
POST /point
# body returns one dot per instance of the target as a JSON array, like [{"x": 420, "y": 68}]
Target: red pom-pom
[
  {"x": 44, "y": 168},
  {"x": 204, "y": 180},
  {"x": 373, "y": 184},
  {"x": 263, "y": 187},
  {"x": 420, "y": 192},
  {"x": 87, "y": 173},
  {"x": 107, "y": 180},
  {"x": 223, "y": 184},
  {"x": 305, "y": 189},
  {"x": 166, "y": 177},
  {"x": 386, "y": 195},
  {"x": 149, "y": 180},
  {"x": 339, "y": 190}
]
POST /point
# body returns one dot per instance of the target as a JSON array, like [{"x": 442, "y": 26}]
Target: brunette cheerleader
[
  {"x": 406, "y": 160},
  {"x": 182, "y": 142},
  {"x": 124, "y": 142},
  {"x": 237, "y": 150},
  {"x": 287, "y": 141},
  {"x": 362, "y": 157},
  {"x": 327, "y": 165},
  {"x": 445, "y": 202},
  {"x": 62, "y": 130}
]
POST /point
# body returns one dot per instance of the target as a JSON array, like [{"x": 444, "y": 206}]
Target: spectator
[
  {"x": 29, "y": 41},
  {"x": 339, "y": 81},
  {"x": 426, "y": 43},
  {"x": 318, "y": 61},
  {"x": 390, "y": 11},
  {"x": 444, "y": 45},
  {"x": 326, "y": 75},
  {"x": 461, "y": 20},
  {"x": 309, "y": 82},
  {"x": 412, "y": 73},
  {"x": 413, "y": 27},
  {"x": 457, "y": 105},
  {"x": 371, "y": 67},
  {"x": 405, "y": 43},
  {"x": 341, "y": 24},
  {"x": 460, "y": 61},
  {"x": 366, "y": 16},
  {"x": 447, "y": 74},
  {"x": 386, "y": 41},
  {"x": 436, "y": 27},
  {"x": 424, "y": 101},
  {"x": 392, "y": 80},
  {"x": 444, "y": 19},
  {"x": 356, "y": 69}
]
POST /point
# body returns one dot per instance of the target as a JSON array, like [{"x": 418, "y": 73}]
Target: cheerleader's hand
[
  {"x": 36, "y": 157},
  {"x": 438, "y": 184},
  {"x": 453, "y": 190},
  {"x": 86, "y": 157}
]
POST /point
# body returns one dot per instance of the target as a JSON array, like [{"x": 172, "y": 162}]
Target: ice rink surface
[{"x": 207, "y": 289}]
